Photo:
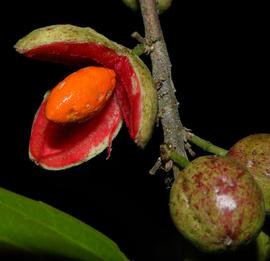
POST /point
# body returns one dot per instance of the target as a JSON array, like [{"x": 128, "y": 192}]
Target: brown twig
[{"x": 161, "y": 70}]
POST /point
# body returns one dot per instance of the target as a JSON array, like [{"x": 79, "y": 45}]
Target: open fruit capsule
[
  {"x": 81, "y": 95},
  {"x": 134, "y": 99}
]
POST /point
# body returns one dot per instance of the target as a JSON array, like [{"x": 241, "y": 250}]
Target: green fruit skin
[
  {"x": 163, "y": 5},
  {"x": 253, "y": 152},
  {"x": 216, "y": 204}
]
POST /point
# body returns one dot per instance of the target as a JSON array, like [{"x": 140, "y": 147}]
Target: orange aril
[{"x": 81, "y": 95}]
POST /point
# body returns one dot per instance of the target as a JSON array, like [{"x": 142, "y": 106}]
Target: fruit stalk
[
  {"x": 139, "y": 49},
  {"x": 161, "y": 70},
  {"x": 206, "y": 145},
  {"x": 167, "y": 153}
]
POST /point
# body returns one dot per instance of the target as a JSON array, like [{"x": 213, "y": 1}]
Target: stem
[
  {"x": 161, "y": 70},
  {"x": 179, "y": 159},
  {"x": 167, "y": 153},
  {"x": 138, "y": 49},
  {"x": 206, "y": 145}
]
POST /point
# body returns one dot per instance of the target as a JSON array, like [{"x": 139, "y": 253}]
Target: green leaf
[{"x": 36, "y": 228}]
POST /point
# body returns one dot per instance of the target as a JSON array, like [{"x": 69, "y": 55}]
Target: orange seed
[{"x": 80, "y": 95}]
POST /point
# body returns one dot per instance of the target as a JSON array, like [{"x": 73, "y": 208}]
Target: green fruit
[
  {"x": 163, "y": 5},
  {"x": 216, "y": 204},
  {"x": 253, "y": 152}
]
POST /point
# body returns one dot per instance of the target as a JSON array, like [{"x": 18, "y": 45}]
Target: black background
[{"x": 220, "y": 66}]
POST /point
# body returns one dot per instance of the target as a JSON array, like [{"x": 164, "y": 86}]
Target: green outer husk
[
  {"x": 253, "y": 151},
  {"x": 163, "y": 5},
  {"x": 263, "y": 247},
  {"x": 205, "y": 229},
  {"x": 70, "y": 33}
]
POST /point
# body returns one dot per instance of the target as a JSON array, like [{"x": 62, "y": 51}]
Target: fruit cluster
[{"x": 219, "y": 202}]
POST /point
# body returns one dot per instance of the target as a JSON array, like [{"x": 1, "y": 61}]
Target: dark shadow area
[{"x": 244, "y": 253}]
